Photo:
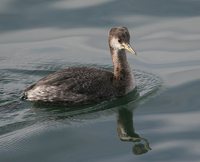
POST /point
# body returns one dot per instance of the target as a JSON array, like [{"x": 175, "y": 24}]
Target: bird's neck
[
  {"x": 120, "y": 63},
  {"x": 123, "y": 76}
]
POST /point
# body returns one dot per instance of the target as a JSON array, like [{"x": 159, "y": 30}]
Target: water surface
[{"x": 40, "y": 37}]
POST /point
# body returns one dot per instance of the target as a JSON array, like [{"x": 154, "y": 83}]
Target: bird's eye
[{"x": 119, "y": 40}]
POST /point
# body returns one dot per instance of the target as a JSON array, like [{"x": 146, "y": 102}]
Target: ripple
[
  {"x": 147, "y": 85},
  {"x": 16, "y": 114},
  {"x": 147, "y": 82}
]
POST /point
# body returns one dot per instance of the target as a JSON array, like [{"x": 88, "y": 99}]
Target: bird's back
[{"x": 75, "y": 85}]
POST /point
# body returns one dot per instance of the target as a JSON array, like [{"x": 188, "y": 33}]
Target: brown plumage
[{"x": 85, "y": 85}]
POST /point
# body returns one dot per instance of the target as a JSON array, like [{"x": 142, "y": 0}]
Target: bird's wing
[{"x": 78, "y": 81}]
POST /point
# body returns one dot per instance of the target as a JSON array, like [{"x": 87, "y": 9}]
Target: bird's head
[{"x": 119, "y": 39}]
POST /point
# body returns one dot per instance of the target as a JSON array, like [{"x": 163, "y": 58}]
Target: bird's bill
[{"x": 127, "y": 47}]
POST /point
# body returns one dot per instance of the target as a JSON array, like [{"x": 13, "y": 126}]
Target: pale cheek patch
[{"x": 115, "y": 44}]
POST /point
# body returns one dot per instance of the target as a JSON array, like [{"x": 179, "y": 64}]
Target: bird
[{"x": 84, "y": 85}]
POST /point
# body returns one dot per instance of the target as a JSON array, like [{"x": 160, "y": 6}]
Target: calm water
[{"x": 38, "y": 37}]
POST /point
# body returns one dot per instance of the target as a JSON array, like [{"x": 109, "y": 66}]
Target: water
[{"x": 40, "y": 37}]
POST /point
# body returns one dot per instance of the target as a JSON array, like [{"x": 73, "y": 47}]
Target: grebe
[{"x": 86, "y": 85}]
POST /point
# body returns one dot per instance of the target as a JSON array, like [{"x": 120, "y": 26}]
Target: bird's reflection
[
  {"x": 126, "y": 131},
  {"x": 125, "y": 124}
]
